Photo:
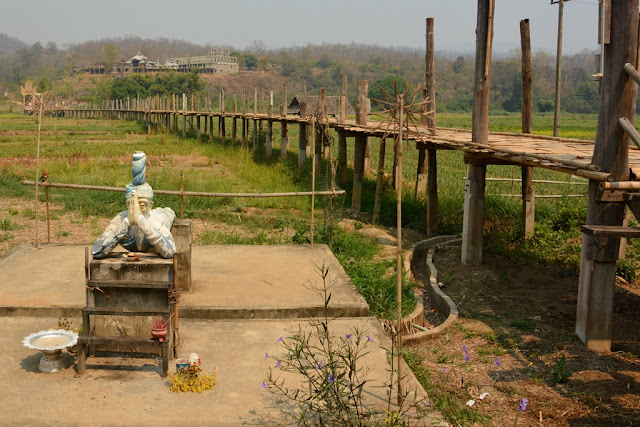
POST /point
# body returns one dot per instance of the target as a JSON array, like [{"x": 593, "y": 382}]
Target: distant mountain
[{"x": 9, "y": 45}]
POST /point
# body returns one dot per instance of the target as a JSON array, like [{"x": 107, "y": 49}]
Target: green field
[{"x": 97, "y": 152}]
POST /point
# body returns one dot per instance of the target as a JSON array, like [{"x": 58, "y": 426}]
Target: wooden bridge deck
[{"x": 564, "y": 155}]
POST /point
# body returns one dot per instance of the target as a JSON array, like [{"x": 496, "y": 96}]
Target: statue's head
[{"x": 144, "y": 193}]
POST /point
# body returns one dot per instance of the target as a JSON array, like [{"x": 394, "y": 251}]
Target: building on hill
[
  {"x": 331, "y": 105},
  {"x": 137, "y": 64},
  {"x": 92, "y": 68},
  {"x": 217, "y": 61}
]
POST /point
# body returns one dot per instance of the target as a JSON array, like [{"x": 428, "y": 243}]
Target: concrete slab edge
[
  {"x": 241, "y": 313},
  {"x": 441, "y": 301},
  {"x": 21, "y": 311}
]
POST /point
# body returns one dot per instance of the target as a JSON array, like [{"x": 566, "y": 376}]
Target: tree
[
  {"x": 250, "y": 61},
  {"x": 388, "y": 85},
  {"x": 43, "y": 84},
  {"x": 545, "y": 105},
  {"x": 514, "y": 102},
  {"x": 51, "y": 48},
  {"x": 258, "y": 48},
  {"x": 108, "y": 55},
  {"x": 458, "y": 65},
  {"x": 324, "y": 62}
]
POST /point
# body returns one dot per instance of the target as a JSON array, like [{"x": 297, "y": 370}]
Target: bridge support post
[
  {"x": 379, "y": 181},
  {"x": 234, "y": 121},
  {"x": 473, "y": 215},
  {"x": 284, "y": 142},
  {"x": 342, "y": 156},
  {"x": 360, "y": 146},
  {"x": 302, "y": 137},
  {"x": 432, "y": 192},
  {"x": 473, "y": 220},
  {"x": 528, "y": 202},
  {"x": 594, "y": 318}
]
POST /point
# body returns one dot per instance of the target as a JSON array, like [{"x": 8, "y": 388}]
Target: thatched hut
[{"x": 331, "y": 105}]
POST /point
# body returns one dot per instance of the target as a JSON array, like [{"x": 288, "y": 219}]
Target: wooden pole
[
  {"x": 399, "y": 267},
  {"x": 342, "y": 116},
  {"x": 184, "y": 115},
  {"x": 269, "y": 141},
  {"x": 429, "y": 117},
  {"x": 182, "y": 195},
  {"x": 302, "y": 134},
  {"x": 342, "y": 156},
  {"x": 243, "y": 142},
  {"x": 556, "y": 113},
  {"x": 379, "y": 182},
  {"x": 323, "y": 116},
  {"x": 360, "y": 144},
  {"x": 528, "y": 192},
  {"x": 527, "y": 80},
  {"x": 594, "y": 319},
  {"x": 432, "y": 192},
  {"x": 48, "y": 217},
  {"x": 234, "y": 121},
  {"x": 342, "y": 136},
  {"x": 430, "y": 122},
  {"x": 223, "y": 118},
  {"x": 255, "y": 120},
  {"x": 367, "y": 150},
  {"x": 284, "y": 145},
  {"x": 192, "y": 193},
  {"x": 38, "y": 166},
  {"x": 473, "y": 216},
  {"x": 313, "y": 185},
  {"x": 284, "y": 141}
]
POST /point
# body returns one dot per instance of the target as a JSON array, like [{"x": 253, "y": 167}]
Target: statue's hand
[{"x": 134, "y": 209}]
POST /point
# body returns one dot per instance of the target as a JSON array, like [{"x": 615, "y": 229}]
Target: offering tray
[{"x": 51, "y": 343}]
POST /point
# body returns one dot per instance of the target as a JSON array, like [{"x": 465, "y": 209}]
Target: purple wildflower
[
  {"x": 331, "y": 379},
  {"x": 444, "y": 369},
  {"x": 497, "y": 362},
  {"x": 264, "y": 385},
  {"x": 279, "y": 363},
  {"x": 466, "y": 353},
  {"x": 281, "y": 339},
  {"x": 349, "y": 336},
  {"x": 369, "y": 339},
  {"x": 320, "y": 365},
  {"x": 523, "y": 404},
  {"x": 266, "y": 356}
]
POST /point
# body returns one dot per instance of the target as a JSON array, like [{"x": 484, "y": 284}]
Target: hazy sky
[{"x": 280, "y": 23}]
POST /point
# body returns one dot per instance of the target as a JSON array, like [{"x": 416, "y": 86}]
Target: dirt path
[{"x": 517, "y": 324}]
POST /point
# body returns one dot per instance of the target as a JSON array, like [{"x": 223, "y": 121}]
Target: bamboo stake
[
  {"x": 193, "y": 193},
  {"x": 48, "y": 217},
  {"x": 399, "y": 246},
  {"x": 38, "y": 167},
  {"x": 313, "y": 178},
  {"x": 182, "y": 195}
]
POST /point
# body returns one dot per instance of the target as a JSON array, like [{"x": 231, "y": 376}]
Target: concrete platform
[
  {"x": 229, "y": 282},
  {"x": 131, "y": 392},
  {"x": 243, "y": 299}
]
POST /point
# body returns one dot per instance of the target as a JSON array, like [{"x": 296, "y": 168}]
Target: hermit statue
[{"x": 139, "y": 228}]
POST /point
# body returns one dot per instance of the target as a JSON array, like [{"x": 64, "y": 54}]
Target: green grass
[
  {"x": 373, "y": 279},
  {"x": 98, "y": 152},
  {"x": 447, "y": 402}
]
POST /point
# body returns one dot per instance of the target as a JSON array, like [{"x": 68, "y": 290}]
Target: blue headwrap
[{"x": 138, "y": 166}]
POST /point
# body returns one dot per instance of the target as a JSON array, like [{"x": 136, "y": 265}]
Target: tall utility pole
[{"x": 556, "y": 114}]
